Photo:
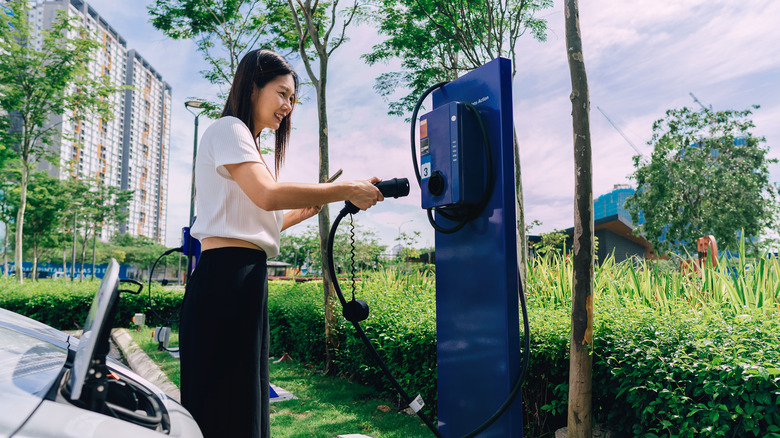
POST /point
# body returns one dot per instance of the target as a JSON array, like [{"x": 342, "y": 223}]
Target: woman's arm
[
  {"x": 256, "y": 182},
  {"x": 294, "y": 217}
]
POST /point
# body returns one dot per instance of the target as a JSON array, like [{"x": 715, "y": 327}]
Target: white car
[{"x": 54, "y": 385}]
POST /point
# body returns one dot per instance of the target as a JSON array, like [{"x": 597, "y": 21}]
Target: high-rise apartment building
[
  {"x": 130, "y": 150},
  {"x": 146, "y": 143}
]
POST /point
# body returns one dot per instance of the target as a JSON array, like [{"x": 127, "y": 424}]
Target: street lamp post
[
  {"x": 399, "y": 228},
  {"x": 400, "y": 241},
  {"x": 197, "y": 105}
]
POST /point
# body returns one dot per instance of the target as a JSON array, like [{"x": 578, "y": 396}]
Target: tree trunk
[
  {"x": 64, "y": 264},
  {"x": 18, "y": 250},
  {"x": 320, "y": 85},
  {"x": 73, "y": 253},
  {"x": 94, "y": 247},
  {"x": 328, "y": 290},
  {"x": 581, "y": 362},
  {"x": 84, "y": 253},
  {"x": 34, "y": 273},
  {"x": 324, "y": 215},
  {"x": 5, "y": 250},
  {"x": 522, "y": 240}
]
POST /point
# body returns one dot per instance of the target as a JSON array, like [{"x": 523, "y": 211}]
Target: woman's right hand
[{"x": 365, "y": 194}]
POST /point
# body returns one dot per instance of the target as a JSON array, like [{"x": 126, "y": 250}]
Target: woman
[{"x": 224, "y": 331}]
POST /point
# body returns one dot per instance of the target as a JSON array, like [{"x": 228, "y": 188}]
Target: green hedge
[
  {"x": 64, "y": 304},
  {"x": 295, "y": 311},
  {"x": 688, "y": 372},
  {"x": 694, "y": 372},
  {"x": 402, "y": 328}
]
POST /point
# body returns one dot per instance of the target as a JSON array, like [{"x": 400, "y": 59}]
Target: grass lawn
[{"x": 326, "y": 406}]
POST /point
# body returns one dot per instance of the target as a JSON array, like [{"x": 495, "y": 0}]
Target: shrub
[
  {"x": 688, "y": 373},
  {"x": 545, "y": 391},
  {"x": 673, "y": 371},
  {"x": 668, "y": 360},
  {"x": 295, "y": 311},
  {"x": 64, "y": 304},
  {"x": 402, "y": 327}
]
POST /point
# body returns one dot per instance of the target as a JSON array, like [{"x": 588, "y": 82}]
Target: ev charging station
[
  {"x": 478, "y": 347},
  {"x": 466, "y": 176}
]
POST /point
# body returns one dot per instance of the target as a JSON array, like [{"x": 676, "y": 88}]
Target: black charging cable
[
  {"x": 414, "y": 125},
  {"x": 169, "y": 320},
  {"x": 355, "y": 311}
]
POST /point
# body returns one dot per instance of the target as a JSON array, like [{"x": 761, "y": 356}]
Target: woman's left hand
[
  {"x": 294, "y": 217},
  {"x": 310, "y": 211}
]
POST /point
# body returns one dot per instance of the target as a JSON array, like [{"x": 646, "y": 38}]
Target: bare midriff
[{"x": 225, "y": 242}]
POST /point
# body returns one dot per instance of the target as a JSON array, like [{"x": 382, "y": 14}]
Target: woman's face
[{"x": 272, "y": 103}]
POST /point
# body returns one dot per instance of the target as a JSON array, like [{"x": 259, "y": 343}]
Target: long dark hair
[{"x": 256, "y": 69}]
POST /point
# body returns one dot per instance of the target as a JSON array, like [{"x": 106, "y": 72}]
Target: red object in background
[{"x": 704, "y": 246}]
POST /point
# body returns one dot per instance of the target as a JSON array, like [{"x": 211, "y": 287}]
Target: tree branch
[
  {"x": 347, "y": 22},
  {"x": 301, "y": 39}
]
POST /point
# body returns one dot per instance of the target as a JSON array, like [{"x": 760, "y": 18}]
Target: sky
[{"x": 642, "y": 58}]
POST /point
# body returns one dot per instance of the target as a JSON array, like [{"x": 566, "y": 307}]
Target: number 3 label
[{"x": 426, "y": 170}]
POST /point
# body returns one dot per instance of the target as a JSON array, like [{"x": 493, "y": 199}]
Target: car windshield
[{"x": 28, "y": 365}]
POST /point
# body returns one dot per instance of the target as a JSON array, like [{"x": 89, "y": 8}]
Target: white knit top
[{"x": 223, "y": 209}]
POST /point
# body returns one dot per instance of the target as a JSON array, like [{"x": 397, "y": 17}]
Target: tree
[
  {"x": 553, "y": 242},
  {"x": 580, "y": 360},
  {"x": 315, "y": 23},
  {"x": 37, "y": 83},
  {"x": 708, "y": 175},
  {"x": 296, "y": 249},
  {"x": 45, "y": 203},
  {"x": 407, "y": 242},
  {"x": 95, "y": 207},
  {"x": 108, "y": 206},
  {"x": 238, "y": 26},
  {"x": 305, "y": 249},
  {"x": 8, "y": 206},
  {"x": 437, "y": 40},
  {"x": 355, "y": 246},
  {"x": 140, "y": 251},
  {"x": 77, "y": 205}
]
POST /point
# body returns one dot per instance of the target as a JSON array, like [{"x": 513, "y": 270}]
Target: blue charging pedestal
[
  {"x": 191, "y": 249},
  {"x": 477, "y": 315}
]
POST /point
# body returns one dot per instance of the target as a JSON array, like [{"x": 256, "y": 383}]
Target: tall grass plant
[{"x": 737, "y": 282}]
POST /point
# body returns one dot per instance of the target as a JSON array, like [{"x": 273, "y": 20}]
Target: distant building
[
  {"x": 145, "y": 148},
  {"x": 130, "y": 151},
  {"x": 613, "y": 203},
  {"x": 613, "y": 228}
]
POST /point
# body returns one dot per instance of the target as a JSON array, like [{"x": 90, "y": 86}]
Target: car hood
[{"x": 31, "y": 358}]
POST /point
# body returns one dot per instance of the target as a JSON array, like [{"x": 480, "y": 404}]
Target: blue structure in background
[
  {"x": 477, "y": 316},
  {"x": 613, "y": 228},
  {"x": 51, "y": 270},
  {"x": 613, "y": 203}
]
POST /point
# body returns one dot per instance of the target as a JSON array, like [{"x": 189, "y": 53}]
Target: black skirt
[{"x": 223, "y": 340}]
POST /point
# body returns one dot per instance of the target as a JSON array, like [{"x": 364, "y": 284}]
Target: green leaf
[{"x": 763, "y": 398}]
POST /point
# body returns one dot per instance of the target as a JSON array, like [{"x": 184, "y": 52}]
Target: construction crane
[
  {"x": 620, "y": 131},
  {"x": 699, "y": 102},
  {"x": 712, "y": 118}
]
